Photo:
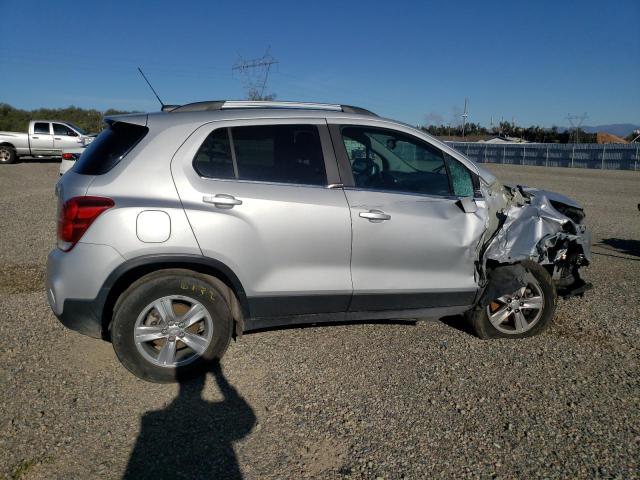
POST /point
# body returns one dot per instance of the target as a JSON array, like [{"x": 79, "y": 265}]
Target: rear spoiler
[{"x": 141, "y": 119}]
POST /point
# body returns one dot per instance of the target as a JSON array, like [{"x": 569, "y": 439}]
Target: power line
[
  {"x": 576, "y": 122},
  {"x": 255, "y": 74},
  {"x": 465, "y": 115}
]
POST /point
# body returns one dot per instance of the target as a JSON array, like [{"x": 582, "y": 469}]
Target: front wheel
[
  {"x": 7, "y": 154},
  {"x": 170, "y": 326},
  {"x": 525, "y": 312}
]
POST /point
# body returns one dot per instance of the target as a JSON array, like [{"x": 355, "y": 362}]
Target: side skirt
[{"x": 257, "y": 323}]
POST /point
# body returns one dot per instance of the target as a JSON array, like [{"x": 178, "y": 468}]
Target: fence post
[
  {"x": 546, "y": 162},
  {"x": 485, "y": 153},
  {"x": 524, "y": 152},
  {"x": 604, "y": 149},
  {"x": 573, "y": 153},
  {"x": 635, "y": 166}
]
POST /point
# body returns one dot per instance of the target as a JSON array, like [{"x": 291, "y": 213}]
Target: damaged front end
[{"x": 539, "y": 226}]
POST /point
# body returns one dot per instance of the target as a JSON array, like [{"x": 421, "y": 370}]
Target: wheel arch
[{"x": 132, "y": 270}]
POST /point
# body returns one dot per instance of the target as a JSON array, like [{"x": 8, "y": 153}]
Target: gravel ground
[{"x": 388, "y": 400}]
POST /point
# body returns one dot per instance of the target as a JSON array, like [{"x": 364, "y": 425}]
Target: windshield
[{"x": 81, "y": 131}]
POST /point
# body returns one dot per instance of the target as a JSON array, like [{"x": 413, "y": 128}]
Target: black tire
[
  {"x": 7, "y": 154},
  {"x": 192, "y": 286},
  {"x": 482, "y": 326}
]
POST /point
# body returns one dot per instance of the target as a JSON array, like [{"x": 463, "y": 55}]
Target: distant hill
[{"x": 618, "y": 129}]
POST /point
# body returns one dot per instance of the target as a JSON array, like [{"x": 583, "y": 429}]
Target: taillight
[
  {"x": 67, "y": 156},
  {"x": 76, "y": 215}
]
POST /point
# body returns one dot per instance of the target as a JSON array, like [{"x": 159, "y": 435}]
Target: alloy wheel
[
  {"x": 173, "y": 331},
  {"x": 519, "y": 311}
]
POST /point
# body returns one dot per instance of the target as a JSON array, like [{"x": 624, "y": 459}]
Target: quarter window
[
  {"x": 41, "y": 128},
  {"x": 388, "y": 160},
  {"x": 213, "y": 159}
]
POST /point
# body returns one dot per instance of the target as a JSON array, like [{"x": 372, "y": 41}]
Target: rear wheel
[
  {"x": 171, "y": 326},
  {"x": 7, "y": 154},
  {"x": 524, "y": 312}
]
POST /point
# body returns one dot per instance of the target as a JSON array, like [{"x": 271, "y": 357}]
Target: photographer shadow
[{"x": 191, "y": 437}]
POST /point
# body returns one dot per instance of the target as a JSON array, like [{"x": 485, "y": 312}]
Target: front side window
[
  {"x": 41, "y": 128},
  {"x": 59, "y": 129},
  {"x": 389, "y": 160}
]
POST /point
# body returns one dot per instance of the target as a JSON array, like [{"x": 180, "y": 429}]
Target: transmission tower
[
  {"x": 465, "y": 115},
  {"x": 576, "y": 122},
  {"x": 254, "y": 74}
]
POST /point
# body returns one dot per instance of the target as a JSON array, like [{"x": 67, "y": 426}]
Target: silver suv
[{"x": 181, "y": 229}]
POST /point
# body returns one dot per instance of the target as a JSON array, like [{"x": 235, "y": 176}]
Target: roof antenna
[{"x": 163, "y": 107}]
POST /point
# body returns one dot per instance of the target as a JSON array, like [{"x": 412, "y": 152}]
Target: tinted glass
[
  {"x": 460, "y": 178},
  {"x": 280, "y": 153},
  {"x": 389, "y": 160},
  {"x": 213, "y": 159},
  {"x": 111, "y": 146},
  {"x": 41, "y": 128},
  {"x": 59, "y": 129}
]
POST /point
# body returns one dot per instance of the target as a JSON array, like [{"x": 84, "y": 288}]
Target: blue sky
[{"x": 536, "y": 61}]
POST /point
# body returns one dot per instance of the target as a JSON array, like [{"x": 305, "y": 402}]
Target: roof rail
[{"x": 233, "y": 104}]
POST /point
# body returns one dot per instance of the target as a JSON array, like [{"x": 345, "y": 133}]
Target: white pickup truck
[{"x": 44, "y": 139}]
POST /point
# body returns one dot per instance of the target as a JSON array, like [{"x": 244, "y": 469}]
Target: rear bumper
[
  {"x": 82, "y": 316},
  {"x": 76, "y": 282}
]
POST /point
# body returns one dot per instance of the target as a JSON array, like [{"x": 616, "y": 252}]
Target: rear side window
[
  {"x": 111, "y": 146},
  {"x": 269, "y": 153},
  {"x": 41, "y": 128},
  {"x": 280, "y": 153}
]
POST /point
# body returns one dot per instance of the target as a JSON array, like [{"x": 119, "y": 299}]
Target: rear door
[
  {"x": 64, "y": 138},
  {"x": 414, "y": 246},
  {"x": 41, "y": 139},
  {"x": 259, "y": 198}
]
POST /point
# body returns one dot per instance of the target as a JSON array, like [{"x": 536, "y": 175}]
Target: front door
[
  {"x": 64, "y": 138},
  {"x": 258, "y": 197},
  {"x": 414, "y": 246}
]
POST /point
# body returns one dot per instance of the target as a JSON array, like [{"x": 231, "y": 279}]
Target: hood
[{"x": 552, "y": 196}]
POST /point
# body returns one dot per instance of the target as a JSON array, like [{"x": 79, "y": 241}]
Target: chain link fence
[{"x": 581, "y": 155}]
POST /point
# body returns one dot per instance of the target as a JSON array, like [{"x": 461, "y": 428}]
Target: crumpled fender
[
  {"x": 503, "y": 280},
  {"x": 530, "y": 228}
]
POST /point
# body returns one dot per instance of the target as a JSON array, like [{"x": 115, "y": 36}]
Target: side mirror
[{"x": 467, "y": 205}]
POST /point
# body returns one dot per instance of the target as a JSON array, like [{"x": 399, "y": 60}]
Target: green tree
[{"x": 17, "y": 120}]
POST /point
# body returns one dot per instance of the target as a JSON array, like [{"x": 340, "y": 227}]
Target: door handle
[
  {"x": 222, "y": 200},
  {"x": 57, "y": 138},
  {"x": 35, "y": 138},
  {"x": 375, "y": 216}
]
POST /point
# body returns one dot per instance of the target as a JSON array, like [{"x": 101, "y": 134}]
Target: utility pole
[
  {"x": 576, "y": 122},
  {"x": 254, "y": 74},
  {"x": 465, "y": 115}
]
